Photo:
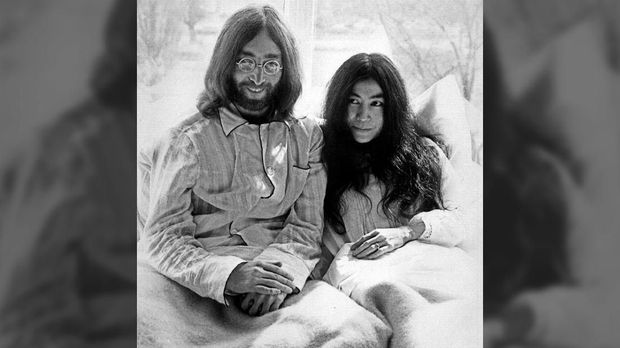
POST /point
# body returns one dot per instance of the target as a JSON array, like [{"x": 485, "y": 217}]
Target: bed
[{"x": 394, "y": 308}]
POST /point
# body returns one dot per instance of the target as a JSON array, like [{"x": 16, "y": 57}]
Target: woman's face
[{"x": 365, "y": 110}]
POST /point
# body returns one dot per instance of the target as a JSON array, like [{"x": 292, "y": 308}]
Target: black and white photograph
[{"x": 309, "y": 173}]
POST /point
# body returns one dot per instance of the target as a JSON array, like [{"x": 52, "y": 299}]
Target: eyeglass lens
[{"x": 248, "y": 65}]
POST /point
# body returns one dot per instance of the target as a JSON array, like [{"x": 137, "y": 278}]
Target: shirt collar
[{"x": 231, "y": 120}]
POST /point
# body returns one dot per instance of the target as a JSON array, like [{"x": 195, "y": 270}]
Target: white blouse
[{"x": 364, "y": 214}]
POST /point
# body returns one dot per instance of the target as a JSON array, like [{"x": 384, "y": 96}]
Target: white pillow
[
  {"x": 441, "y": 111},
  {"x": 474, "y": 118}
]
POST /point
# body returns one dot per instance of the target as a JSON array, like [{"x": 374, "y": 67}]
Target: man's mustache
[{"x": 253, "y": 85}]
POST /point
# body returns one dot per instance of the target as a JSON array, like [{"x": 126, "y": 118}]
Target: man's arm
[
  {"x": 168, "y": 235},
  {"x": 297, "y": 246}
]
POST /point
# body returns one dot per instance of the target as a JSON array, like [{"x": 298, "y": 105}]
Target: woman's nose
[{"x": 363, "y": 113}]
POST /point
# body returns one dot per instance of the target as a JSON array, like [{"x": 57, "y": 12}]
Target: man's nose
[{"x": 257, "y": 76}]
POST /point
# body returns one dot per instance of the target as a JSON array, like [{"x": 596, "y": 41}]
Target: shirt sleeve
[
  {"x": 168, "y": 234},
  {"x": 445, "y": 226},
  {"x": 297, "y": 246}
]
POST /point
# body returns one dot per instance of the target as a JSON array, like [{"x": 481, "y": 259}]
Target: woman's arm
[
  {"x": 442, "y": 226},
  {"x": 439, "y": 226}
]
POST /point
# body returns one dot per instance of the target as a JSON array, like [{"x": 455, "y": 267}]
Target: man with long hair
[
  {"x": 231, "y": 198},
  {"x": 242, "y": 172}
]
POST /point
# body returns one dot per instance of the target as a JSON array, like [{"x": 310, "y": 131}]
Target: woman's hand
[{"x": 381, "y": 241}]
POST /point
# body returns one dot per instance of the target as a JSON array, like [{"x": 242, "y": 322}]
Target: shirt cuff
[
  {"x": 216, "y": 276},
  {"x": 290, "y": 263},
  {"x": 428, "y": 225}
]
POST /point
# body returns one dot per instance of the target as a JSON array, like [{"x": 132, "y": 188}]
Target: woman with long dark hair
[
  {"x": 392, "y": 212},
  {"x": 387, "y": 185}
]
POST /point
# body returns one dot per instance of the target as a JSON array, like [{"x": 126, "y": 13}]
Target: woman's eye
[
  {"x": 353, "y": 101},
  {"x": 377, "y": 103}
]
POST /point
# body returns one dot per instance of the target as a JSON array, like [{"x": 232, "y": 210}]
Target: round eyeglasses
[{"x": 270, "y": 67}]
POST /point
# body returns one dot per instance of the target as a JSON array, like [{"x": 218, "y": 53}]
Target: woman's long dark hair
[
  {"x": 238, "y": 30},
  {"x": 397, "y": 157}
]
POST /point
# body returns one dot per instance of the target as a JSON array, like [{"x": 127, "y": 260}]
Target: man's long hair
[
  {"x": 397, "y": 157},
  {"x": 238, "y": 30}
]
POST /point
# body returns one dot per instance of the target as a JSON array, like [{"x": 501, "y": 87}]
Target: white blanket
[{"x": 429, "y": 295}]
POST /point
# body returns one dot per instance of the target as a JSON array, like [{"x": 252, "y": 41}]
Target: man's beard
[{"x": 243, "y": 101}]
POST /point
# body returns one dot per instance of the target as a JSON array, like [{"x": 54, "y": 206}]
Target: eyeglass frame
[{"x": 262, "y": 66}]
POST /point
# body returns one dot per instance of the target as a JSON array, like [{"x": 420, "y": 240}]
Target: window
[{"x": 422, "y": 36}]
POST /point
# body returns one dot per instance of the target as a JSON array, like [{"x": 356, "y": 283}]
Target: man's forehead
[
  {"x": 261, "y": 46},
  {"x": 248, "y": 53}
]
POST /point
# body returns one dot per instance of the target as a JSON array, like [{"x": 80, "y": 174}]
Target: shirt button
[{"x": 270, "y": 171}]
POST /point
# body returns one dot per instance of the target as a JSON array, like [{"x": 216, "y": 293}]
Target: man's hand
[
  {"x": 380, "y": 241},
  {"x": 256, "y": 304},
  {"x": 260, "y": 277}
]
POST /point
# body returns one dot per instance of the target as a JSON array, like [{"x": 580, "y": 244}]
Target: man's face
[{"x": 254, "y": 90}]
